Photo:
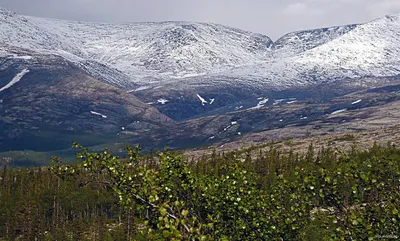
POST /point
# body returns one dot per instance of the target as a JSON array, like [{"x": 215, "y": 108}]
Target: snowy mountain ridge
[
  {"x": 150, "y": 55},
  {"x": 144, "y": 51},
  {"x": 300, "y": 41}
]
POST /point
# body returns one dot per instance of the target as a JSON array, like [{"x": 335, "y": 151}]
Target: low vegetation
[{"x": 247, "y": 194}]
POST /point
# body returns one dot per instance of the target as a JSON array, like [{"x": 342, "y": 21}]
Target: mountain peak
[
  {"x": 393, "y": 17},
  {"x": 4, "y": 11}
]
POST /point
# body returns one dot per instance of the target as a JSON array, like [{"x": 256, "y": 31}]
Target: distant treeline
[{"x": 247, "y": 194}]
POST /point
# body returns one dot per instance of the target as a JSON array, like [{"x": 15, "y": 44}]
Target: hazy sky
[{"x": 270, "y": 17}]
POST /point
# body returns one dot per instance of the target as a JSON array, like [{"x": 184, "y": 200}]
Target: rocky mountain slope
[{"x": 47, "y": 102}]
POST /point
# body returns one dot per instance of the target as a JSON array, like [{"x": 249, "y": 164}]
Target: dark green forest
[{"x": 247, "y": 194}]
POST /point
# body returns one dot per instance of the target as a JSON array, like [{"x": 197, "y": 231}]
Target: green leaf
[
  {"x": 163, "y": 211},
  {"x": 185, "y": 212},
  {"x": 166, "y": 233}
]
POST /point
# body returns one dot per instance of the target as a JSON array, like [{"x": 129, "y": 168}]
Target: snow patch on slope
[
  {"x": 162, "y": 101},
  {"x": 260, "y": 104},
  {"x": 203, "y": 101},
  {"x": 97, "y": 113},
  {"x": 15, "y": 80},
  {"x": 16, "y": 56},
  {"x": 338, "y": 111}
]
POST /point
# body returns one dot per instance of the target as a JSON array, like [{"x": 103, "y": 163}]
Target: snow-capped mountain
[
  {"x": 370, "y": 49},
  {"x": 163, "y": 52},
  {"x": 170, "y": 64},
  {"x": 143, "y": 51}
]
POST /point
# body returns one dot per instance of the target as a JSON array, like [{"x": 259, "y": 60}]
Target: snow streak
[{"x": 15, "y": 80}]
